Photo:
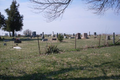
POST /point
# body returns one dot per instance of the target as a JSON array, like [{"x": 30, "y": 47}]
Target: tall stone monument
[
  {"x": 95, "y": 34},
  {"x": 89, "y": 34},
  {"x": 57, "y": 35},
  {"x": 53, "y": 35},
  {"x": 43, "y": 35}
]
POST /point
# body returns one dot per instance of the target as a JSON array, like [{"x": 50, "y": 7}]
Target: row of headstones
[
  {"x": 84, "y": 36},
  {"x": 78, "y": 35}
]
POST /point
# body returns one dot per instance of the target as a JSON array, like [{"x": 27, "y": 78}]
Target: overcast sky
[{"x": 76, "y": 19}]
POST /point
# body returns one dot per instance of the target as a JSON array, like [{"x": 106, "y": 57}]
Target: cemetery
[
  {"x": 59, "y": 56},
  {"x": 45, "y": 57}
]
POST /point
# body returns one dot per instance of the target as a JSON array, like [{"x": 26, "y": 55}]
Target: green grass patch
[{"x": 71, "y": 64}]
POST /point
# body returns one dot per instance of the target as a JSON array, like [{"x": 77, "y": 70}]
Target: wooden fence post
[
  {"x": 99, "y": 39},
  {"x": 38, "y": 45},
  {"x": 113, "y": 38},
  {"x": 75, "y": 41}
]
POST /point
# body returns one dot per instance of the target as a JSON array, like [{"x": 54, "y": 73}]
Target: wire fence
[{"x": 36, "y": 45}]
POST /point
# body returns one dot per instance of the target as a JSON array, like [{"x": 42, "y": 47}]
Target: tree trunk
[
  {"x": 9, "y": 34},
  {"x": 13, "y": 33}
]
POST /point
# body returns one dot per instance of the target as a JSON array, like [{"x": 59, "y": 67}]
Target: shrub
[
  {"x": 51, "y": 49},
  {"x": 60, "y": 37}
]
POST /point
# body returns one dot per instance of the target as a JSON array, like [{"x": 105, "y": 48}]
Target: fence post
[
  {"x": 99, "y": 39},
  {"x": 75, "y": 41},
  {"x": 113, "y": 38},
  {"x": 38, "y": 44}
]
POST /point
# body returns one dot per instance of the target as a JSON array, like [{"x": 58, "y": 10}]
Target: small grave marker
[
  {"x": 5, "y": 44},
  {"x": 65, "y": 37},
  {"x": 107, "y": 37},
  {"x": 54, "y": 39},
  {"x": 17, "y": 41},
  {"x": 71, "y": 37},
  {"x": 44, "y": 39}
]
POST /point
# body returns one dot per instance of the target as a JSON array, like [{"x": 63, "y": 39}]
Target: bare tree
[
  {"x": 27, "y": 32},
  {"x": 55, "y": 8}
]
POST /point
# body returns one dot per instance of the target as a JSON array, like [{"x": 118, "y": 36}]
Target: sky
[{"x": 76, "y": 19}]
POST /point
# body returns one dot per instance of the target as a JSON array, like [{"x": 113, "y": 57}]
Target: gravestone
[
  {"x": 64, "y": 34},
  {"x": 4, "y": 44},
  {"x": 53, "y": 35},
  {"x": 44, "y": 39},
  {"x": 95, "y": 34},
  {"x": 89, "y": 33},
  {"x": 57, "y": 35},
  {"x": 40, "y": 34},
  {"x": 34, "y": 34},
  {"x": 65, "y": 37},
  {"x": 17, "y": 40},
  {"x": 78, "y": 36},
  {"x": 107, "y": 37},
  {"x": 85, "y": 36},
  {"x": 54, "y": 39},
  {"x": 73, "y": 34},
  {"x": 71, "y": 37},
  {"x": 43, "y": 35}
]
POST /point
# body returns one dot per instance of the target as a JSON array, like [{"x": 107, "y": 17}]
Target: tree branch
[{"x": 52, "y": 8}]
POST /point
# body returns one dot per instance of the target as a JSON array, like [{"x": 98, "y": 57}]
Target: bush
[
  {"x": 60, "y": 37},
  {"x": 51, "y": 49}
]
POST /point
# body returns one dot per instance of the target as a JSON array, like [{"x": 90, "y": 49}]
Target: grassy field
[{"x": 86, "y": 64}]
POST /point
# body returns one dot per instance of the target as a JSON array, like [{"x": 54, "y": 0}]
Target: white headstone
[
  {"x": 53, "y": 35},
  {"x": 65, "y": 37}
]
